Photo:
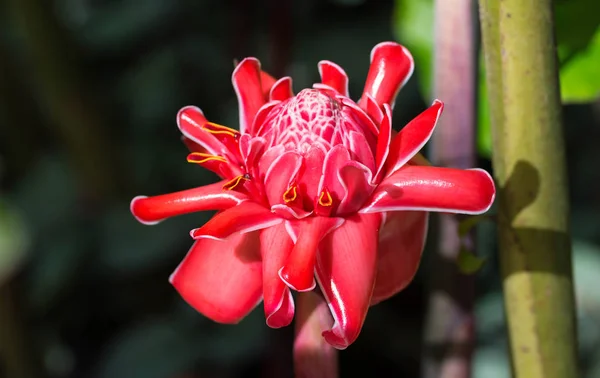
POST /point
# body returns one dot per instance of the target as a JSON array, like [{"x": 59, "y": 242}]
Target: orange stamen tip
[
  {"x": 200, "y": 158},
  {"x": 290, "y": 194},
  {"x": 325, "y": 198},
  {"x": 232, "y": 184},
  {"x": 215, "y": 128}
]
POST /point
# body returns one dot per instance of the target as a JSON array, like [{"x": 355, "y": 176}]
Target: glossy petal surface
[
  {"x": 221, "y": 279},
  {"x": 449, "y": 190}
]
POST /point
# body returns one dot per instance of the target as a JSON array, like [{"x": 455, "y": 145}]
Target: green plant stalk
[{"x": 529, "y": 165}]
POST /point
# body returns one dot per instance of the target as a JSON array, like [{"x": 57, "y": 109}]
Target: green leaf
[
  {"x": 468, "y": 263},
  {"x": 413, "y": 27},
  {"x": 580, "y": 74}
]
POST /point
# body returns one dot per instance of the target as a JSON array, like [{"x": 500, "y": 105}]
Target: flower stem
[
  {"x": 529, "y": 165},
  {"x": 449, "y": 331},
  {"x": 313, "y": 357}
]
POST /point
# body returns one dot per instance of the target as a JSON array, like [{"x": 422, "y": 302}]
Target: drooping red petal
[
  {"x": 275, "y": 246},
  {"x": 391, "y": 67},
  {"x": 345, "y": 268},
  {"x": 411, "y": 139},
  {"x": 221, "y": 279},
  {"x": 334, "y": 76},
  {"x": 281, "y": 90},
  {"x": 465, "y": 191},
  {"x": 298, "y": 271},
  {"x": 247, "y": 216},
  {"x": 192, "y": 146},
  {"x": 246, "y": 81},
  {"x": 401, "y": 241},
  {"x": 151, "y": 210}
]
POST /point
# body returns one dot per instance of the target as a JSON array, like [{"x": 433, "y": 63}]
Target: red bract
[{"x": 314, "y": 186}]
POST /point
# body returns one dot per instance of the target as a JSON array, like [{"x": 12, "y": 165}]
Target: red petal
[
  {"x": 193, "y": 146},
  {"x": 373, "y": 109},
  {"x": 466, "y": 191},
  {"x": 334, "y": 76},
  {"x": 190, "y": 121},
  {"x": 383, "y": 141},
  {"x": 246, "y": 81},
  {"x": 247, "y": 216},
  {"x": 221, "y": 279},
  {"x": 281, "y": 90},
  {"x": 391, "y": 67},
  {"x": 313, "y": 168},
  {"x": 346, "y": 266},
  {"x": 401, "y": 242},
  {"x": 282, "y": 172},
  {"x": 275, "y": 245},
  {"x": 356, "y": 179},
  {"x": 267, "y": 81},
  {"x": 151, "y": 210},
  {"x": 411, "y": 139},
  {"x": 359, "y": 146},
  {"x": 335, "y": 159},
  {"x": 298, "y": 271}
]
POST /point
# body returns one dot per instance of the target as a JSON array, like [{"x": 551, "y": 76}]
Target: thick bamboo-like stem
[
  {"x": 313, "y": 357},
  {"x": 529, "y": 164},
  {"x": 449, "y": 332}
]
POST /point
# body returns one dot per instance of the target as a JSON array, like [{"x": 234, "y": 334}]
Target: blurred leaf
[
  {"x": 580, "y": 74},
  {"x": 13, "y": 241},
  {"x": 469, "y": 222},
  {"x": 47, "y": 195},
  {"x": 576, "y": 22},
  {"x": 468, "y": 263},
  {"x": 128, "y": 246},
  {"x": 117, "y": 26},
  {"x": 412, "y": 26},
  {"x": 55, "y": 265},
  {"x": 161, "y": 348}
]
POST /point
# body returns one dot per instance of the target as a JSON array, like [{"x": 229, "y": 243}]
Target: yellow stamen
[
  {"x": 325, "y": 198},
  {"x": 199, "y": 158},
  {"x": 234, "y": 182},
  {"x": 290, "y": 194},
  {"x": 215, "y": 128}
]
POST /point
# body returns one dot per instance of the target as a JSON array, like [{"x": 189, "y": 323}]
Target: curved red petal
[
  {"x": 334, "y": 160},
  {"x": 151, "y": 210},
  {"x": 334, "y": 76},
  {"x": 282, "y": 172},
  {"x": 356, "y": 179},
  {"x": 275, "y": 246},
  {"x": 221, "y": 279},
  {"x": 373, "y": 109},
  {"x": 298, "y": 270},
  {"x": 383, "y": 141},
  {"x": 391, "y": 67},
  {"x": 411, "y": 139},
  {"x": 345, "y": 268},
  {"x": 281, "y": 90},
  {"x": 465, "y": 191},
  {"x": 246, "y": 81},
  {"x": 267, "y": 81},
  {"x": 247, "y": 216},
  {"x": 191, "y": 121},
  {"x": 401, "y": 241}
]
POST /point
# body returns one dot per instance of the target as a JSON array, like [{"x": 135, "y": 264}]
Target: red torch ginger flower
[{"x": 316, "y": 189}]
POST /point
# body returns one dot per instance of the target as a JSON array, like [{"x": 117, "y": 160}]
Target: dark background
[{"x": 89, "y": 90}]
